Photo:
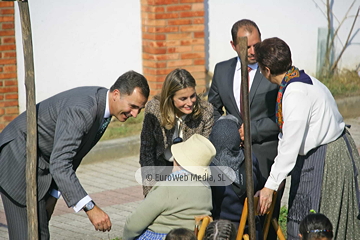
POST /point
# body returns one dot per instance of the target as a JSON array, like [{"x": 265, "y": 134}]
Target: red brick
[
  {"x": 192, "y": 28},
  {"x": 154, "y": 86},
  {"x": 147, "y": 56},
  {"x": 7, "y": 19},
  {"x": 152, "y": 9},
  {"x": 154, "y": 43},
  {"x": 156, "y": 71},
  {"x": 7, "y": 33},
  {"x": 1, "y": 84},
  {"x": 8, "y": 39},
  {"x": 8, "y": 26},
  {"x": 192, "y": 55},
  {"x": 178, "y": 36},
  {"x": 152, "y": 22},
  {"x": 178, "y": 8},
  {"x": 173, "y": 43},
  {"x": 10, "y": 82},
  {"x": 9, "y": 118},
  {"x": 2, "y": 126},
  {"x": 7, "y": 11},
  {"x": 1, "y": 96},
  {"x": 10, "y": 68},
  {"x": 192, "y": 14},
  {"x": 198, "y": 75},
  {"x": 193, "y": 42},
  {"x": 8, "y": 89},
  {"x": 163, "y": 2},
  {"x": 179, "y": 22},
  {"x": 161, "y": 29},
  {"x": 180, "y": 63},
  {"x": 198, "y": 21},
  {"x": 153, "y": 36},
  {"x": 6, "y": 4},
  {"x": 145, "y": 15},
  {"x": 199, "y": 34},
  {"x": 8, "y": 103},
  {"x": 2, "y": 111},
  {"x": 198, "y": 6},
  {"x": 155, "y": 79},
  {"x": 154, "y": 50},
  {"x": 12, "y": 110},
  {"x": 167, "y": 57},
  {"x": 201, "y": 89},
  {"x": 180, "y": 49},
  {"x": 153, "y": 64},
  {"x": 199, "y": 48},
  {"x": 7, "y": 61},
  {"x": 166, "y": 15},
  {"x": 191, "y": 1},
  {"x": 195, "y": 68},
  {"x": 10, "y": 55},
  {"x": 7, "y": 75},
  {"x": 160, "y": 57},
  {"x": 199, "y": 61},
  {"x": 8, "y": 47}
]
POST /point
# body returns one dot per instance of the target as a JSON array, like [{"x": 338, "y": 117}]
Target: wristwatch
[{"x": 90, "y": 205}]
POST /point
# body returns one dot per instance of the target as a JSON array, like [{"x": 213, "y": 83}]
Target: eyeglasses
[{"x": 177, "y": 140}]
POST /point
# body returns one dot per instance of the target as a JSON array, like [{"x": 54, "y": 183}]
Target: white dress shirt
[
  {"x": 311, "y": 119},
  {"x": 177, "y": 133},
  {"x": 237, "y": 80}
]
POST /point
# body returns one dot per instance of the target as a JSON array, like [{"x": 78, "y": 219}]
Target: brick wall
[
  {"x": 173, "y": 34},
  {"x": 9, "y": 106}
]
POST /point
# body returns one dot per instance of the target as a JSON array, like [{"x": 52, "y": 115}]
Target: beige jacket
[{"x": 169, "y": 207}]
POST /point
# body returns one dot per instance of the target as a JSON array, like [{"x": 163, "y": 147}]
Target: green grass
[
  {"x": 343, "y": 84},
  {"x": 117, "y": 129},
  {"x": 283, "y": 219}
]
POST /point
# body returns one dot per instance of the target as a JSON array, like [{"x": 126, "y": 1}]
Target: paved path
[{"x": 113, "y": 187}]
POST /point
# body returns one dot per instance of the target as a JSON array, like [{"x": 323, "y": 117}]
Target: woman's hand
[{"x": 265, "y": 198}]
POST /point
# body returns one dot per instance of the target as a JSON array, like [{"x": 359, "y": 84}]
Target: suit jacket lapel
[
  {"x": 230, "y": 85},
  {"x": 88, "y": 141}
]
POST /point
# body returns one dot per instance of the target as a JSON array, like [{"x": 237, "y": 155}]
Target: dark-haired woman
[
  {"x": 314, "y": 146},
  {"x": 176, "y": 114},
  {"x": 220, "y": 229}
]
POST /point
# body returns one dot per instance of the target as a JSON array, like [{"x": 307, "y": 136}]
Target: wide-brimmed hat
[{"x": 195, "y": 154}]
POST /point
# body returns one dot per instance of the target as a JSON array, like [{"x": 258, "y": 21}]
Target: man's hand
[
  {"x": 99, "y": 219},
  {"x": 241, "y": 131},
  {"x": 265, "y": 199},
  {"x": 50, "y": 205}
]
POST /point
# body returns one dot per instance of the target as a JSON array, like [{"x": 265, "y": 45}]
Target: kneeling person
[{"x": 173, "y": 204}]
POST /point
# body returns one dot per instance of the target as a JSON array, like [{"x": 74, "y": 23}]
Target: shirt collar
[
  {"x": 238, "y": 65},
  {"x": 107, "y": 109}
]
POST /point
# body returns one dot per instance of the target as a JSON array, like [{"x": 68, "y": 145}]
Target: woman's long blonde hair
[{"x": 176, "y": 80}]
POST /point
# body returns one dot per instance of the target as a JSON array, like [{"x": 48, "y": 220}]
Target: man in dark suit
[
  {"x": 69, "y": 124},
  {"x": 225, "y": 92}
]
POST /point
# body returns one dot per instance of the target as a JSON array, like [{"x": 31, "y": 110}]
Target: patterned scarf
[
  {"x": 292, "y": 75},
  {"x": 293, "y": 72}
]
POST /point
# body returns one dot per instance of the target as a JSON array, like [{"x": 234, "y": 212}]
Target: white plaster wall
[
  {"x": 80, "y": 43},
  {"x": 294, "y": 21}
]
